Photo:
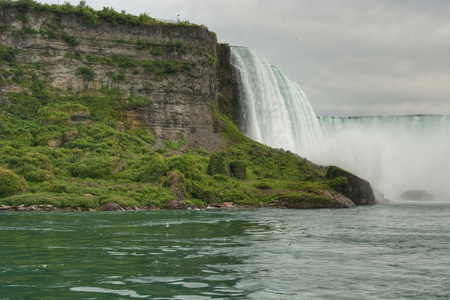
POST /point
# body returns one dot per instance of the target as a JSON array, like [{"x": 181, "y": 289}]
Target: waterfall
[
  {"x": 395, "y": 153},
  {"x": 275, "y": 110}
]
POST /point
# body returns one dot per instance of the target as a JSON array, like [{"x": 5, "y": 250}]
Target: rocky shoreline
[{"x": 170, "y": 206}]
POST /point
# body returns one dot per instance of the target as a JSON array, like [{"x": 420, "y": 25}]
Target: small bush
[
  {"x": 52, "y": 115},
  {"x": 70, "y": 39},
  {"x": 238, "y": 169},
  {"x": 124, "y": 61},
  {"x": 94, "y": 58},
  {"x": 8, "y": 54},
  {"x": 24, "y": 105},
  {"x": 11, "y": 183},
  {"x": 92, "y": 166},
  {"x": 36, "y": 167},
  {"x": 218, "y": 163},
  {"x": 58, "y": 200},
  {"x": 86, "y": 73},
  {"x": 155, "y": 168}
]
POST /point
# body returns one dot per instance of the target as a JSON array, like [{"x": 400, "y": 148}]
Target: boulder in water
[{"x": 416, "y": 195}]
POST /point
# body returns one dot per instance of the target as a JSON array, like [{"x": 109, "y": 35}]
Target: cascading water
[
  {"x": 275, "y": 110},
  {"x": 395, "y": 153}
]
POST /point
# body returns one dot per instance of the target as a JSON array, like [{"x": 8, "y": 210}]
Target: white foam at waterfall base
[{"x": 395, "y": 153}]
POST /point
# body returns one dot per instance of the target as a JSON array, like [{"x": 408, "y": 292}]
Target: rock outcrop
[
  {"x": 416, "y": 195},
  {"x": 173, "y": 66},
  {"x": 356, "y": 189}
]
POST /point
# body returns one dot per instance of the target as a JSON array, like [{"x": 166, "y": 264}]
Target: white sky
[{"x": 351, "y": 57}]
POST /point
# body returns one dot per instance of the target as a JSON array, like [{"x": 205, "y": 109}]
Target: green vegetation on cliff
[
  {"x": 62, "y": 163},
  {"x": 91, "y": 16},
  {"x": 75, "y": 148}
]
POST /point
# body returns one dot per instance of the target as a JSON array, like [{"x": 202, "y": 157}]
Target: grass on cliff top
[{"x": 92, "y": 17}]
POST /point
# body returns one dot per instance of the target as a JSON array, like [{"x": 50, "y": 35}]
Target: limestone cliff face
[{"x": 173, "y": 66}]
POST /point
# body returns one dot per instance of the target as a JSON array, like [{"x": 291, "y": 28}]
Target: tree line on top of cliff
[{"x": 91, "y": 16}]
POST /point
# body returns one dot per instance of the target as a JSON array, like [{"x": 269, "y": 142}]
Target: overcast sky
[{"x": 351, "y": 57}]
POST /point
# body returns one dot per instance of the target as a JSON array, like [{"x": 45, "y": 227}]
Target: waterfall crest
[{"x": 395, "y": 153}]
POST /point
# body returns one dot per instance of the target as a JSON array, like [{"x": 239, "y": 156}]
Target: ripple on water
[
  {"x": 191, "y": 285},
  {"x": 90, "y": 289}
]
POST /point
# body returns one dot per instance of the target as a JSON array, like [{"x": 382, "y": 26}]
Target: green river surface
[{"x": 396, "y": 251}]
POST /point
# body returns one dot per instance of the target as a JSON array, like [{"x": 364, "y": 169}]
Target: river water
[{"x": 396, "y": 251}]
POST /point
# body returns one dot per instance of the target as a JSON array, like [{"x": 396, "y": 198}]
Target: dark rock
[
  {"x": 416, "y": 195},
  {"x": 176, "y": 204},
  {"x": 317, "y": 199},
  {"x": 110, "y": 206},
  {"x": 356, "y": 189},
  {"x": 177, "y": 185},
  {"x": 79, "y": 117}
]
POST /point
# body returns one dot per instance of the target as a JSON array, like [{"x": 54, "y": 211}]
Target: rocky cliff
[
  {"x": 172, "y": 69},
  {"x": 101, "y": 107}
]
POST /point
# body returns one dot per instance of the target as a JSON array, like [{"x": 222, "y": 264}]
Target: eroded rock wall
[{"x": 173, "y": 66}]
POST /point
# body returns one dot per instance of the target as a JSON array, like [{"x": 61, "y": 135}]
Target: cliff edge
[{"x": 169, "y": 70}]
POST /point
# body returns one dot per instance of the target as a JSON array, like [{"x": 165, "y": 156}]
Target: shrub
[
  {"x": 124, "y": 61},
  {"x": 238, "y": 169},
  {"x": 134, "y": 102},
  {"x": 36, "y": 167},
  {"x": 92, "y": 166},
  {"x": 86, "y": 73},
  {"x": 70, "y": 39},
  {"x": 148, "y": 66},
  {"x": 200, "y": 191},
  {"x": 52, "y": 115},
  {"x": 218, "y": 163},
  {"x": 47, "y": 133},
  {"x": 38, "y": 88},
  {"x": 155, "y": 168},
  {"x": 193, "y": 167},
  {"x": 8, "y": 54},
  {"x": 93, "y": 58},
  {"x": 58, "y": 200},
  {"x": 24, "y": 105},
  {"x": 119, "y": 76},
  {"x": 11, "y": 183}
]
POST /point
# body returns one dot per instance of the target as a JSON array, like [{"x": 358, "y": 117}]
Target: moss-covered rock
[{"x": 356, "y": 189}]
